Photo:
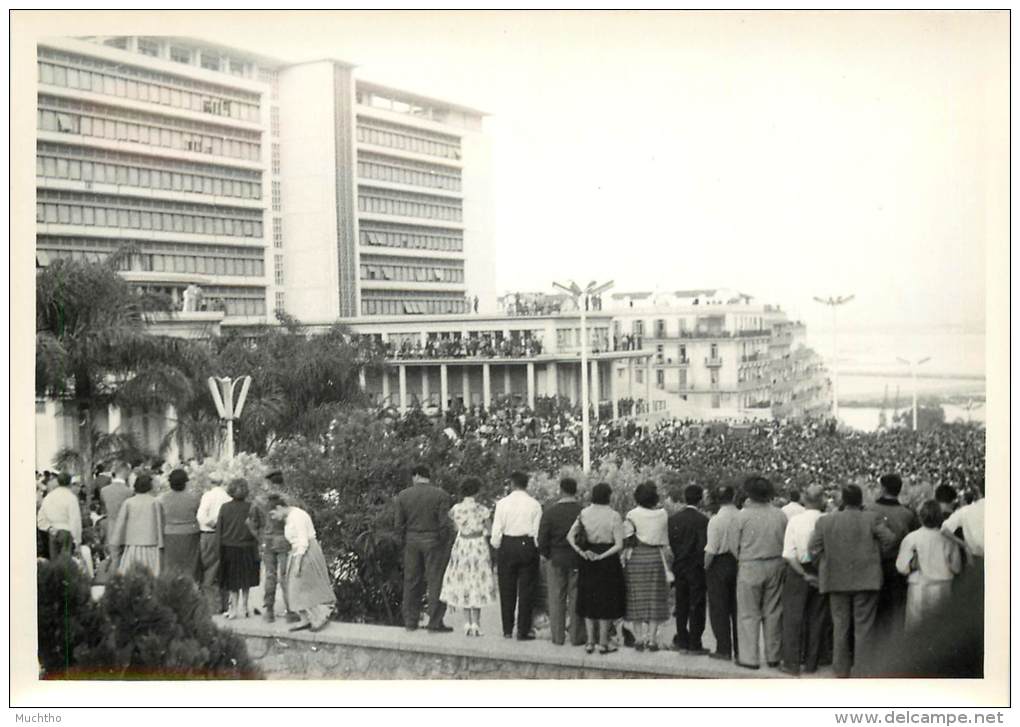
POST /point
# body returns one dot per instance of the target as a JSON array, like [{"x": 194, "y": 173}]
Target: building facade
[{"x": 257, "y": 186}]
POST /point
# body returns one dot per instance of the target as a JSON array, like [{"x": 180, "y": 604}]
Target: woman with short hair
[
  {"x": 646, "y": 561},
  {"x": 239, "y": 549},
  {"x": 309, "y": 588},
  {"x": 597, "y": 536},
  {"x": 137, "y": 535},
  {"x": 468, "y": 581}
]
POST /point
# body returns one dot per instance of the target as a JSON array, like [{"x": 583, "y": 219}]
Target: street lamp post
[
  {"x": 913, "y": 379},
  {"x": 833, "y": 302},
  {"x": 581, "y": 297},
  {"x": 222, "y": 391}
]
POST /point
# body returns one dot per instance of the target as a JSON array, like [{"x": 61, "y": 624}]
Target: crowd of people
[
  {"x": 805, "y": 584},
  {"x": 220, "y": 539}
]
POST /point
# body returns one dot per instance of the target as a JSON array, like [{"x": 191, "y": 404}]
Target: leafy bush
[{"x": 142, "y": 628}]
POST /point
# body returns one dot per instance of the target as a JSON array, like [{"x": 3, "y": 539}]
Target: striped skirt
[
  {"x": 647, "y": 590},
  {"x": 147, "y": 556}
]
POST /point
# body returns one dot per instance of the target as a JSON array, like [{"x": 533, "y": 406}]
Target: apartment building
[
  {"x": 257, "y": 185},
  {"x": 719, "y": 350}
]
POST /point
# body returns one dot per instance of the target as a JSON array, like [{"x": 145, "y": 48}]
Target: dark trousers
[
  {"x": 892, "y": 603},
  {"x": 425, "y": 558},
  {"x": 691, "y": 590},
  {"x": 721, "y": 582},
  {"x": 518, "y": 570},
  {"x": 209, "y": 558},
  {"x": 853, "y": 613},
  {"x": 61, "y": 543},
  {"x": 561, "y": 584},
  {"x": 803, "y": 622},
  {"x": 275, "y": 564}
]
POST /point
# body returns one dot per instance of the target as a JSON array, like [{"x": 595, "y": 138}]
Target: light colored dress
[
  {"x": 930, "y": 561},
  {"x": 311, "y": 592},
  {"x": 468, "y": 581}
]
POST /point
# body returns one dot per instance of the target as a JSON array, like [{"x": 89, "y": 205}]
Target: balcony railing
[{"x": 713, "y": 361}]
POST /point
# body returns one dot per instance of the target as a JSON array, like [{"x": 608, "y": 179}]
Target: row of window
[
  {"x": 399, "y": 173},
  {"x": 159, "y": 263},
  {"x": 208, "y": 60},
  {"x": 395, "y": 203},
  {"x": 413, "y": 140},
  {"x": 413, "y": 239},
  {"x": 391, "y": 307},
  {"x": 144, "y": 177},
  {"x": 95, "y": 121},
  {"x": 277, "y": 232},
  {"x": 412, "y": 273},
  {"x": 106, "y": 246},
  {"x": 115, "y": 85},
  {"x": 144, "y": 219},
  {"x": 238, "y": 301}
]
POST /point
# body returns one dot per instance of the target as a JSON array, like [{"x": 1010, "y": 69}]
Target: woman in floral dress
[{"x": 468, "y": 582}]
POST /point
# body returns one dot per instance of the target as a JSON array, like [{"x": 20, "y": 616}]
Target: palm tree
[{"x": 93, "y": 349}]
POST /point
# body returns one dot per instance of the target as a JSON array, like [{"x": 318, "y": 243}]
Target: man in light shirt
[
  {"x": 971, "y": 519},
  {"x": 793, "y": 507},
  {"x": 515, "y": 537},
  {"x": 209, "y": 545},
  {"x": 721, "y": 574},
  {"x": 803, "y": 606},
  {"x": 60, "y": 517},
  {"x": 114, "y": 494}
]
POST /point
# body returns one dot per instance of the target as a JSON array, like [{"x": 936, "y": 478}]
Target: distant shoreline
[{"x": 903, "y": 375}]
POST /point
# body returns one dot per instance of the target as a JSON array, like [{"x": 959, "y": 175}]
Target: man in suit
[
  {"x": 688, "y": 534},
  {"x": 423, "y": 524},
  {"x": 114, "y": 494},
  {"x": 901, "y": 520},
  {"x": 561, "y": 563},
  {"x": 848, "y": 545}
]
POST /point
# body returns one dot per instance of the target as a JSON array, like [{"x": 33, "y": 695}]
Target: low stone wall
[{"x": 356, "y": 651}]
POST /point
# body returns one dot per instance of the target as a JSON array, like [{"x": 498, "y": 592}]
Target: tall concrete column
[
  {"x": 444, "y": 388},
  {"x": 173, "y": 453},
  {"x": 552, "y": 379},
  {"x": 385, "y": 386},
  {"x": 402, "y": 374},
  {"x": 424, "y": 385},
  {"x": 486, "y": 386},
  {"x": 531, "y": 385},
  {"x": 613, "y": 394},
  {"x": 596, "y": 388},
  {"x": 112, "y": 419},
  {"x": 465, "y": 384},
  {"x": 648, "y": 384},
  {"x": 362, "y": 383},
  {"x": 506, "y": 380},
  {"x": 630, "y": 380}
]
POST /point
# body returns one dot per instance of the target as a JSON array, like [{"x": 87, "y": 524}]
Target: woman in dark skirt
[
  {"x": 239, "y": 549},
  {"x": 601, "y": 595}
]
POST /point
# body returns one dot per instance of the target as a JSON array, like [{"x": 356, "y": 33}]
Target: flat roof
[{"x": 424, "y": 100}]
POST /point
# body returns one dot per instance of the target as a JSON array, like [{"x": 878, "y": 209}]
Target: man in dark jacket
[
  {"x": 688, "y": 530},
  {"x": 561, "y": 563},
  {"x": 901, "y": 520},
  {"x": 423, "y": 523},
  {"x": 848, "y": 546}
]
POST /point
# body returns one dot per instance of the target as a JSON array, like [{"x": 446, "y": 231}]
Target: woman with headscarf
[
  {"x": 137, "y": 535},
  {"x": 309, "y": 588}
]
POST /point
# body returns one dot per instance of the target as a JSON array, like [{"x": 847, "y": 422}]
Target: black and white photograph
[{"x": 460, "y": 347}]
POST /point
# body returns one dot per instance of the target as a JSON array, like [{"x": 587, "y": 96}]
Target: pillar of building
[
  {"x": 630, "y": 380},
  {"x": 362, "y": 383},
  {"x": 444, "y": 388},
  {"x": 531, "y": 385},
  {"x": 402, "y": 376},
  {"x": 613, "y": 394},
  {"x": 648, "y": 385},
  {"x": 112, "y": 418},
  {"x": 424, "y": 385},
  {"x": 173, "y": 452},
  {"x": 596, "y": 388},
  {"x": 552, "y": 382},
  {"x": 486, "y": 386},
  {"x": 506, "y": 380},
  {"x": 385, "y": 386},
  {"x": 465, "y": 385}
]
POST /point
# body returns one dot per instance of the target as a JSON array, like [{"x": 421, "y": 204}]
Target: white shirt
[
  {"x": 650, "y": 526},
  {"x": 299, "y": 530},
  {"x": 798, "y": 534},
  {"x": 972, "y": 519},
  {"x": 516, "y": 515},
  {"x": 792, "y": 508},
  {"x": 60, "y": 511},
  {"x": 209, "y": 508}
]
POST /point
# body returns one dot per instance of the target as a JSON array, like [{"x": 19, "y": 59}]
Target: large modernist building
[{"x": 262, "y": 186}]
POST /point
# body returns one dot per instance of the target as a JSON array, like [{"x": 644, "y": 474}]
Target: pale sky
[{"x": 784, "y": 154}]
